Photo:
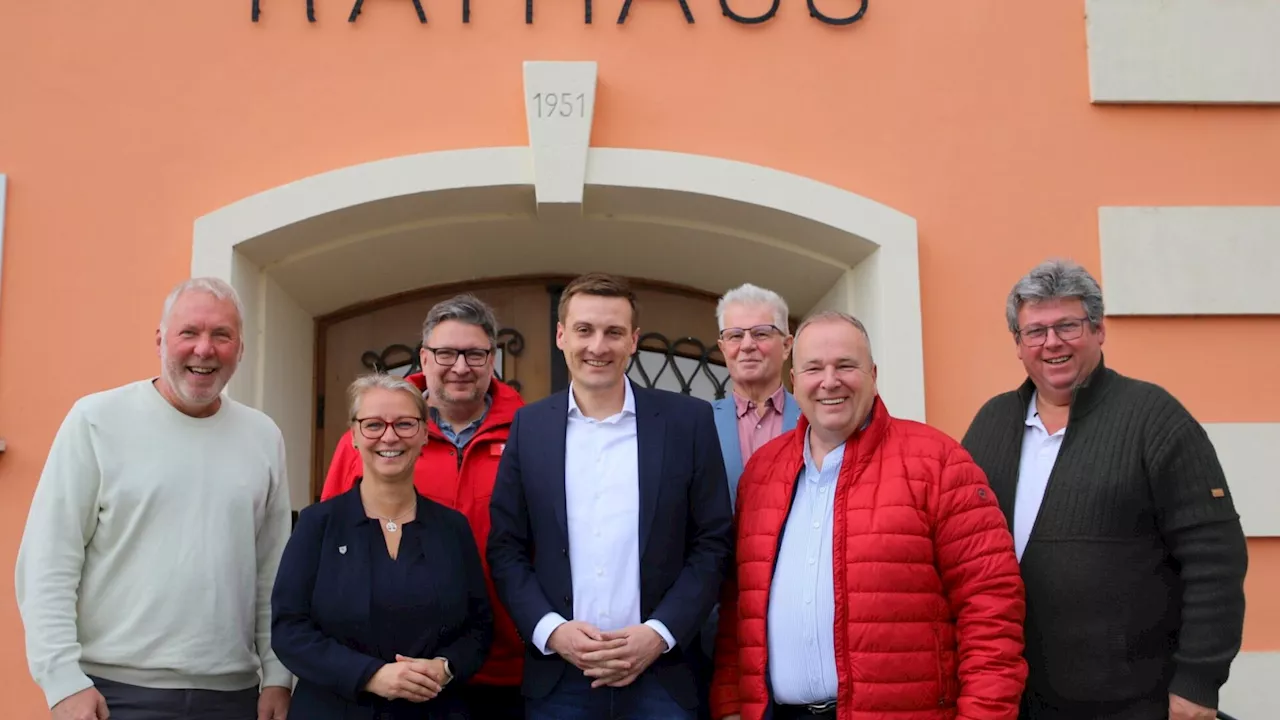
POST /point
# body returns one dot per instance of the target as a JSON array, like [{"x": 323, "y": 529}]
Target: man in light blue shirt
[{"x": 875, "y": 574}]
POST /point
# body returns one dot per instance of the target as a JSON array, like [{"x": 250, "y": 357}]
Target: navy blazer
[
  {"x": 320, "y": 607},
  {"x": 686, "y": 527}
]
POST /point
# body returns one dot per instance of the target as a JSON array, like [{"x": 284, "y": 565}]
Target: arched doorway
[
  {"x": 677, "y": 349},
  {"x": 349, "y": 237}
]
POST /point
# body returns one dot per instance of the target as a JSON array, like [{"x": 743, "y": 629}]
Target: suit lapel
[
  {"x": 790, "y": 412},
  {"x": 426, "y": 539},
  {"x": 726, "y": 416},
  {"x": 353, "y": 551},
  {"x": 650, "y": 442},
  {"x": 556, "y": 425}
]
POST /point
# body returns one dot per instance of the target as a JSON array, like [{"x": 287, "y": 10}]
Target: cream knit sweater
[{"x": 151, "y": 547}]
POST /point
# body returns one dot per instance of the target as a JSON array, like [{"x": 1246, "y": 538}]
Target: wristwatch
[{"x": 448, "y": 672}]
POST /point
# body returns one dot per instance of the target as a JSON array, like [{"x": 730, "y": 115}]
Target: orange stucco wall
[{"x": 122, "y": 121}]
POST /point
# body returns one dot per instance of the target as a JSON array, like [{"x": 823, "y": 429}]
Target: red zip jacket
[
  {"x": 465, "y": 484},
  {"x": 929, "y": 599}
]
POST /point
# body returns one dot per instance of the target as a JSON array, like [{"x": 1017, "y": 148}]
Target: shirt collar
[
  {"x": 1033, "y": 415},
  {"x": 743, "y": 405},
  {"x": 441, "y": 423},
  {"x": 628, "y": 403},
  {"x": 835, "y": 456}
]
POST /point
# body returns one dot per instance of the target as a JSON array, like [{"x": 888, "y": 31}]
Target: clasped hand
[
  {"x": 613, "y": 659},
  {"x": 409, "y": 678}
]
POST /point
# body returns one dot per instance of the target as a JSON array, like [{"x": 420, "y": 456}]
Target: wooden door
[{"x": 677, "y": 349}]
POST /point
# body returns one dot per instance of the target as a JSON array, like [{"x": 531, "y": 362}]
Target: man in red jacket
[
  {"x": 875, "y": 575},
  {"x": 471, "y": 414}
]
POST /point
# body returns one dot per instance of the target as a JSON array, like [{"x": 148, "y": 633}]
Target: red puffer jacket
[
  {"x": 929, "y": 600},
  {"x": 464, "y": 483}
]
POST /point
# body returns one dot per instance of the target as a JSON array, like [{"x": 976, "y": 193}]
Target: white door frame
[{"x": 882, "y": 288}]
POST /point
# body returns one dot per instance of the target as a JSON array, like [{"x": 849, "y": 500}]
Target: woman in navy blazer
[{"x": 380, "y": 605}]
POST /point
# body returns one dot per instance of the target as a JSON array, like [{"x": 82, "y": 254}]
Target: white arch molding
[{"x": 358, "y": 233}]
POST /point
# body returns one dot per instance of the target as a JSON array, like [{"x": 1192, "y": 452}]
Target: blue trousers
[{"x": 574, "y": 699}]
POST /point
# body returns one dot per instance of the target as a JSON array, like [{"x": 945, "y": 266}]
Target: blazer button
[
  {"x": 567, "y": 600},
  {"x": 564, "y": 551}
]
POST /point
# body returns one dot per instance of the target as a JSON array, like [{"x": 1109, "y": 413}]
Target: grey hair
[
  {"x": 1051, "y": 280},
  {"x": 837, "y": 316},
  {"x": 748, "y": 294},
  {"x": 464, "y": 308},
  {"x": 220, "y": 289},
  {"x": 381, "y": 381}
]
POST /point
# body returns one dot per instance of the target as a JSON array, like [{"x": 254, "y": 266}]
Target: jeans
[{"x": 574, "y": 699}]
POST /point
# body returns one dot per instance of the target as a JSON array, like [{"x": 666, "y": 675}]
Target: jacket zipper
[{"x": 942, "y": 671}]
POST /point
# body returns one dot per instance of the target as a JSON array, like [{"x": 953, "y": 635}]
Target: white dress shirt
[
  {"x": 1039, "y": 453},
  {"x": 602, "y": 504},
  {"x": 801, "y": 621}
]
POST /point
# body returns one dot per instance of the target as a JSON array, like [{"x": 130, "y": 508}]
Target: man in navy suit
[{"x": 611, "y": 526}]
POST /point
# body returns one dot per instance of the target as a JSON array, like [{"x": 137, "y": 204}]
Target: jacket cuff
[
  {"x": 1198, "y": 685},
  {"x": 366, "y": 674},
  {"x": 63, "y": 683}
]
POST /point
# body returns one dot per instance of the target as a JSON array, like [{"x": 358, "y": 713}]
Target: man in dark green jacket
[{"x": 1129, "y": 542}]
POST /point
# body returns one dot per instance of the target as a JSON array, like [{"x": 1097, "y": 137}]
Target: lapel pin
[{"x": 342, "y": 549}]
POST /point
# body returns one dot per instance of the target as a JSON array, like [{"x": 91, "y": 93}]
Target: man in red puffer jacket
[
  {"x": 875, "y": 576},
  {"x": 471, "y": 414}
]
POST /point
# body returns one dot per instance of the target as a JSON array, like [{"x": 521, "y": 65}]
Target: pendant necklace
[{"x": 390, "y": 523}]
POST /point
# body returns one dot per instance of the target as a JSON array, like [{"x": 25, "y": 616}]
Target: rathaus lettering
[{"x": 622, "y": 16}]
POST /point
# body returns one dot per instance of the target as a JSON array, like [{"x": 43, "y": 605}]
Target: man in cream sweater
[{"x": 145, "y": 571}]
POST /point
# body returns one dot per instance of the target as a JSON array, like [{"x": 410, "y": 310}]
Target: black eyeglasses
[
  {"x": 475, "y": 357},
  {"x": 759, "y": 333},
  {"x": 1036, "y": 335},
  {"x": 375, "y": 428}
]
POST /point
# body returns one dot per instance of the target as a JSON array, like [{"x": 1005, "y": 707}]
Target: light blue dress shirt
[{"x": 801, "y": 620}]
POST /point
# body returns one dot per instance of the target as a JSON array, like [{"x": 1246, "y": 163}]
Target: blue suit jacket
[
  {"x": 686, "y": 526},
  {"x": 321, "y": 604},
  {"x": 727, "y": 427}
]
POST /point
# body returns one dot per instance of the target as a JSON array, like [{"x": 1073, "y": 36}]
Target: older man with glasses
[
  {"x": 470, "y": 415},
  {"x": 755, "y": 341},
  {"x": 1129, "y": 543}
]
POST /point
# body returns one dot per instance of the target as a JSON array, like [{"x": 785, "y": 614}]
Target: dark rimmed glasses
[
  {"x": 1036, "y": 335},
  {"x": 759, "y": 333},
  {"x": 474, "y": 357},
  {"x": 375, "y": 428}
]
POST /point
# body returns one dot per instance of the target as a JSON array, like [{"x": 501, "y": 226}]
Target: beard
[
  {"x": 174, "y": 371},
  {"x": 444, "y": 396}
]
